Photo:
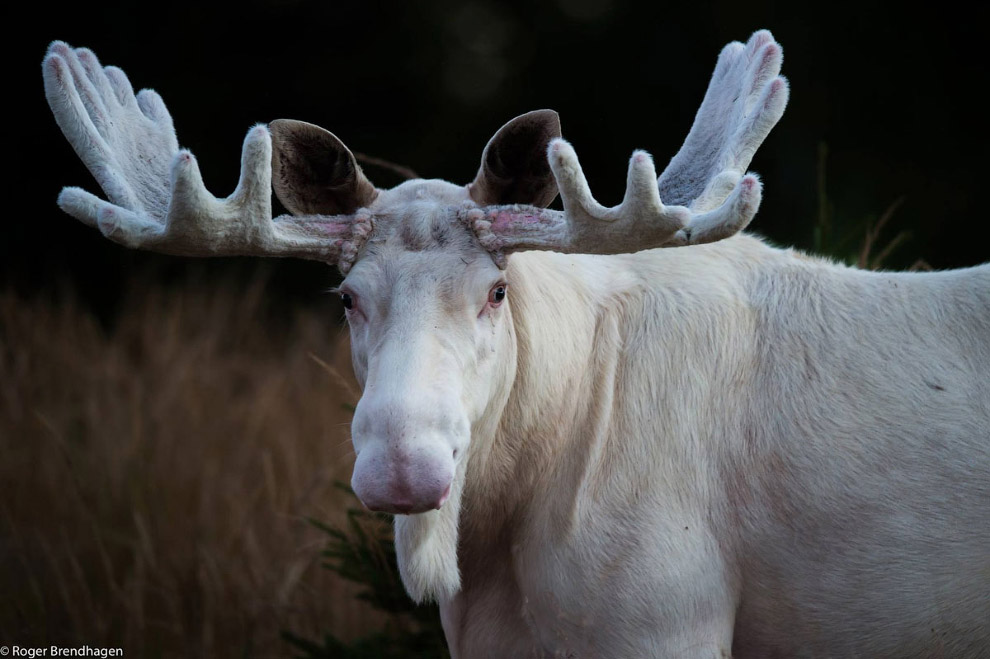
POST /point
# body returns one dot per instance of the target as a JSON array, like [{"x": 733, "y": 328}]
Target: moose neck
[{"x": 559, "y": 313}]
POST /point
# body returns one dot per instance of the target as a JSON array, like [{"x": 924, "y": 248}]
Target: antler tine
[
  {"x": 157, "y": 199},
  {"x": 584, "y": 226},
  {"x": 744, "y": 100},
  {"x": 640, "y": 219},
  {"x": 708, "y": 196}
]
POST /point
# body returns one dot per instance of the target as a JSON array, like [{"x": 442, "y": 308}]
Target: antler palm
[
  {"x": 157, "y": 199},
  {"x": 128, "y": 142}
]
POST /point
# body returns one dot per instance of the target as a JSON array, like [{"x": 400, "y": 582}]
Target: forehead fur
[
  {"x": 422, "y": 216},
  {"x": 424, "y": 240},
  {"x": 433, "y": 228}
]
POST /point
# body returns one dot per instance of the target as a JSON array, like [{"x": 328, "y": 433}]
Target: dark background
[{"x": 896, "y": 95}]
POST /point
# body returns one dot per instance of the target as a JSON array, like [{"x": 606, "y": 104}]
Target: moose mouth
[{"x": 406, "y": 506}]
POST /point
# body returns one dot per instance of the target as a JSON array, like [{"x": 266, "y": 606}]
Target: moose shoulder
[{"x": 594, "y": 446}]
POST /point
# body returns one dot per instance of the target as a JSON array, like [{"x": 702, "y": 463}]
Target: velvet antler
[
  {"x": 702, "y": 196},
  {"x": 157, "y": 200}
]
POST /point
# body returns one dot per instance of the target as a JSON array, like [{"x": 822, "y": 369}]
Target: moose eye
[
  {"x": 347, "y": 300},
  {"x": 497, "y": 294}
]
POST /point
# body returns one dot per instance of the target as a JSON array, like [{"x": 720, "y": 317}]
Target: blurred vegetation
[{"x": 158, "y": 472}]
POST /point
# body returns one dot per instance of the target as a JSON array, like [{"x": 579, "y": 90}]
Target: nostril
[{"x": 455, "y": 453}]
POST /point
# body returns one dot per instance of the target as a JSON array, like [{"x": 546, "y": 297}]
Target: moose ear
[
  {"x": 514, "y": 167},
  {"x": 313, "y": 173}
]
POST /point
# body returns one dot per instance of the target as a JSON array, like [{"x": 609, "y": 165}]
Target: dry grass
[{"x": 155, "y": 477}]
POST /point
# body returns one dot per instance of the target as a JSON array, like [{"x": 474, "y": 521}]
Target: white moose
[{"x": 595, "y": 448}]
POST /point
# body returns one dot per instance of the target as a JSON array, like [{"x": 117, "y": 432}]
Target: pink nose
[{"x": 403, "y": 484}]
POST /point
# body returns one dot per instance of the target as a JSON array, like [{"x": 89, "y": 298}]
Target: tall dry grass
[{"x": 155, "y": 477}]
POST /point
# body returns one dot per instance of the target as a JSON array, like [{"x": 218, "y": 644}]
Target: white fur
[{"x": 697, "y": 451}]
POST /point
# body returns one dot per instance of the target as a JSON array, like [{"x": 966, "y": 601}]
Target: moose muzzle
[{"x": 406, "y": 453}]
